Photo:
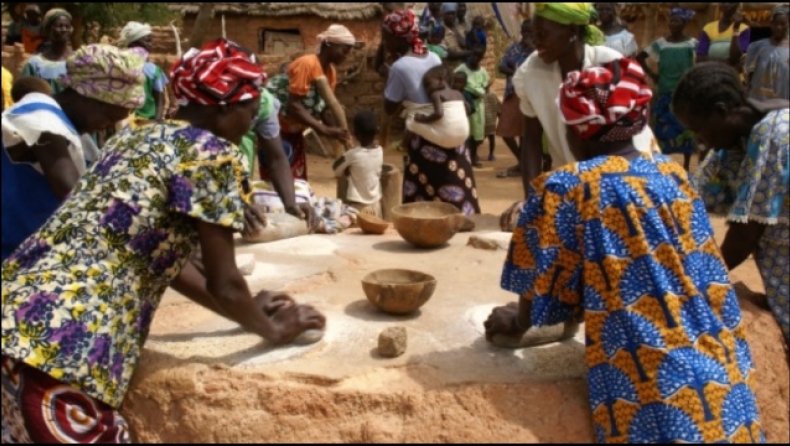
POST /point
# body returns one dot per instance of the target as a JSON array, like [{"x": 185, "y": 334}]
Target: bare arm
[
  {"x": 642, "y": 59},
  {"x": 52, "y": 152},
  {"x": 391, "y": 108},
  {"x": 531, "y": 152},
  {"x": 438, "y": 110},
  {"x": 740, "y": 242},
  {"x": 230, "y": 295},
  {"x": 159, "y": 100},
  {"x": 297, "y": 110},
  {"x": 280, "y": 171},
  {"x": 736, "y": 52}
]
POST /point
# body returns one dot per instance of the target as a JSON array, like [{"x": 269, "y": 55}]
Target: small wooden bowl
[
  {"x": 371, "y": 224},
  {"x": 398, "y": 291}
]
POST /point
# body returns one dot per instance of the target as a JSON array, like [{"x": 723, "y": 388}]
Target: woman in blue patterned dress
[
  {"x": 80, "y": 294},
  {"x": 622, "y": 240},
  {"x": 748, "y": 184}
]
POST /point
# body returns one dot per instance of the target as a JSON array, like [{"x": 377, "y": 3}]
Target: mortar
[{"x": 428, "y": 224}]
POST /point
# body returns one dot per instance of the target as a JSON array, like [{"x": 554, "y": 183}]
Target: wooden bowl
[
  {"x": 398, "y": 291},
  {"x": 371, "y": 224},
  {"x": 427, "y": 224}
]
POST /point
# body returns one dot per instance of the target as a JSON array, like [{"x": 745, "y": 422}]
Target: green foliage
[{"x": 109, "y": 15}]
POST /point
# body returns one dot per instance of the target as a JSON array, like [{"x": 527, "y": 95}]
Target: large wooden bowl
[
  {"x": 427, "y": 224},
  {"x": 398, "y": 291}
]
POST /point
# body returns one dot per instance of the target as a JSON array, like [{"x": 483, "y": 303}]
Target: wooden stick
[{"x": 326, "y": 93}]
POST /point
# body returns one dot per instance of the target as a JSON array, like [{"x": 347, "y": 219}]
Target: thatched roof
[{"x": 330, "y": 11}]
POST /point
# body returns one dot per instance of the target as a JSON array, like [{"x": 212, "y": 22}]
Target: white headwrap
[
  {"x": 132, "y": 32},
  {"x": 336, "y": 34}
]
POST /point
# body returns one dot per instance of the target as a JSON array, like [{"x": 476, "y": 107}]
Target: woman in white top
[
  {"x": 618, "y": 37},
  {"x": 562, "y": 33}
]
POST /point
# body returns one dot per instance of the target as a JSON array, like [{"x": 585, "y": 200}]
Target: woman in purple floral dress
[{"x": 80, "y": 294}]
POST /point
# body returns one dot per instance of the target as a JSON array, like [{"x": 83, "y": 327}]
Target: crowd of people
[{"x": 611, "y": 232}]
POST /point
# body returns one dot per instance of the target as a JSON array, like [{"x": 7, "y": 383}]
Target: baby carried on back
[{"x": 444, "y": 121}]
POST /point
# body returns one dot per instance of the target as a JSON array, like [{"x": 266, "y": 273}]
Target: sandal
[{"x": 536, "y": 336}]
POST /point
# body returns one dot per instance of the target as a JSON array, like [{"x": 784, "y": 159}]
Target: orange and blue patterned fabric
[{"x": 628, "y": 244}]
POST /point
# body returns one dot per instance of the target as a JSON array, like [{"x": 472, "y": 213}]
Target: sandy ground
[
  {"x": 202, "y": 379},
  {"x": 496, "y": 194}
]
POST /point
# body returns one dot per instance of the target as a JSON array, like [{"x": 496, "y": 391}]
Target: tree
[
  {"x": 109, "y": 15},
  {"x": 202, "y": 24}
]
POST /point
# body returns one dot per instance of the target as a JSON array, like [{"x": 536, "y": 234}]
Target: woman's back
[
  {"x": 405, "y": 78},
  {"x": 630, "y": 243},
  {"x": 114, "y": 246}
]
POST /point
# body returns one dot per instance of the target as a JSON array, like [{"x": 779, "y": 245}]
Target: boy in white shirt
[{"x": 363, "y": 167}]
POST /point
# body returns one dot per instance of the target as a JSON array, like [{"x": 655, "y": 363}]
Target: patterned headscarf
[
  {"x": 685, "y": 14},
  {"x": 607, "y": 103},
  {"x": 52, "y": 15},
  {"x": 108, "y": 74},
  {"x": 572, "y": 14},
  {"x": 404, "y": 25},
  {"x": 220, "y": 73}
]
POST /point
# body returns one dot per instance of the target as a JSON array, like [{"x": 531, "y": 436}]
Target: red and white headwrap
[
  {"x": 607, "y": 103},
  {"x": 404, "y": 25},
  {"x": 220, "y": 73}
]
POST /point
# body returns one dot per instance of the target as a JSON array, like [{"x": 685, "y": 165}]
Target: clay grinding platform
[{"x": 201, "y": 379}]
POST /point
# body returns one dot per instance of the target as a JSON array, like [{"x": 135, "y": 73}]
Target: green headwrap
[{"x": 572, "y": 14}]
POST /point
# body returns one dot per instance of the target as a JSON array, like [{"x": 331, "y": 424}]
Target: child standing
[
  {"x": 493, "y": 109},
  {"x": 363, "y": 167},
  {"x": 477, "y": 35},
  {"x": 477, "y": 81},
  {"x": 435, "y": 39}
]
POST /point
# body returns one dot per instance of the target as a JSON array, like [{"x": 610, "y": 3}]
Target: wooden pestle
[{"x": 326, "y": 93}]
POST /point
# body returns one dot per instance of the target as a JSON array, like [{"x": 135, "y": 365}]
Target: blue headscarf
[{"x": 683, "y": 13}]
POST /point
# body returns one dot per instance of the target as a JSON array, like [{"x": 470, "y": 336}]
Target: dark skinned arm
[
  {"x": 159, "y": 100},
  {"x": 52, "y": 152},
  {"x": 438, "y": 111},
  {"x": 642, "y": 59},
  {"x": 391, "y": 108},
  {"x": 531, "y": 152},
  {"x": 297, "y": 110},
  {"x": 735, "y": 50},
  {"x": 506, "y": 70},
  {"x": 224, "y": 285},
  {"x": 740, "y": 242},
  {"x": 191, "y": 283},
  {"x": 280, "y": 170}
]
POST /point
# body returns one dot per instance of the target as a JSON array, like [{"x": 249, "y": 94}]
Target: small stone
[
  {"x": 467, "y": 226},
  {"x": 392, "y": 342},
  {"x": 309, "y": 337},
  {"x": 491, "y": 241},
  {"x": 245, "y": 263}
]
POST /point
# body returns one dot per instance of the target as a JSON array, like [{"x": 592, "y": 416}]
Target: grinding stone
[{"x": 309, "y": 337}]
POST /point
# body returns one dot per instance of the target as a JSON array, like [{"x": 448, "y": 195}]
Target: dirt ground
[{"x": 496, "y": 194}]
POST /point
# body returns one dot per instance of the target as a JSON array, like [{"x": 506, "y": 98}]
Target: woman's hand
[
  {"x": 254, "y": 221},
  {"x": 270, "y": 302},
  {"x": 303, "y": 211},
  {"x": 737, "y": 21},
  {"x": 509, "y": 219},
  {"x": 292, "y": 320},
  {"x": 503, "y": 321},
  {"x": 337, "y": 133}
]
